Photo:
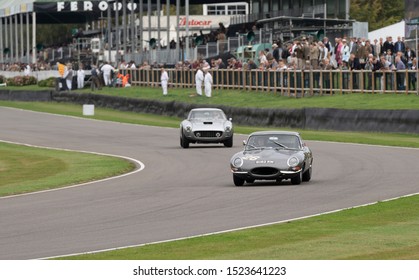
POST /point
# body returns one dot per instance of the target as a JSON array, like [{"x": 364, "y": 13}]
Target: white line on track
[
  {"x": 201, "y": 235},
  {"x": 139, "y": 164},
  {"x": 230, "y": 230}
]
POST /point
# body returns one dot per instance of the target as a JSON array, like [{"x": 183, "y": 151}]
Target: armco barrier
[
  {"x": 400, "y": 121},
  {"x": 22, "y": 95}
]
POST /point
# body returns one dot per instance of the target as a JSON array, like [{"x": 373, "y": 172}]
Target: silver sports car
[
  {"x": 272, "y": 155},
  {"x": 206, "y": 125}
]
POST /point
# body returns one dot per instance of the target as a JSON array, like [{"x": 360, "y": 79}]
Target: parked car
[
  {"x": 272, "y": 155},
  {"x": 206, "y": 125}
]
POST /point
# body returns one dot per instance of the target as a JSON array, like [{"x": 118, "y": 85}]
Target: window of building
[{"x": 239, "y": 8}]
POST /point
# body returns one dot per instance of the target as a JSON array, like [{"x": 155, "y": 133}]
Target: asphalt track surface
[{"x": 180, "y": 192}]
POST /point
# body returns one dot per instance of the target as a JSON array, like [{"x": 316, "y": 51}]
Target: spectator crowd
[{"x": 300, "y": 54}]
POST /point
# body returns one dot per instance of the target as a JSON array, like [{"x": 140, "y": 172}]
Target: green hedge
[{"x": 50, "y": 82}]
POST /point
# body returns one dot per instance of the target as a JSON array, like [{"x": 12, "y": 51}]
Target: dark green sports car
[{"x": 272, "y": 155}]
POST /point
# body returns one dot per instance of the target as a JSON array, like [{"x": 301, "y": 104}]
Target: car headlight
[
  {"x": 237, "y": 162},
  {"x": 188, "y": 128},
  {"x": 227, "y": 129},
  {"x": 293, "y": 162}
]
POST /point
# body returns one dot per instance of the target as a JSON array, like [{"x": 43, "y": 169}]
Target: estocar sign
[{"x": 194, "y": 22}]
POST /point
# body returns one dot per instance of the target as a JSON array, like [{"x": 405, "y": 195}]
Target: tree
[{"x": 378, "y": 13}]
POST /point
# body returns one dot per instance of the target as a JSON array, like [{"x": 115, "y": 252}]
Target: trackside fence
[{"x": 296, "y": 83}]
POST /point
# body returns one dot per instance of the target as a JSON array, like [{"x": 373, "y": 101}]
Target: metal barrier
[{"x": 296, "y": 83}]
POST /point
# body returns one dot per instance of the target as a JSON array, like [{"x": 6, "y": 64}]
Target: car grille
[
  {"x": 264, "y": 171},
  {"x": 208, "y": 134}
]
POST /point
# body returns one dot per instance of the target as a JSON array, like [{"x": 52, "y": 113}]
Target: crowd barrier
[{"x": 296, "y": 83}]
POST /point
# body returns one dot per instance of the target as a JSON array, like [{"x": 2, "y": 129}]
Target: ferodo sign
[{"x": 92, "y": 6}]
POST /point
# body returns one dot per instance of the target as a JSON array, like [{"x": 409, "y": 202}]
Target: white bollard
[{"x": 88, "y": 110}]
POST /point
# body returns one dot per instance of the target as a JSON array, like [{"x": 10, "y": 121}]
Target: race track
[{"x": 180, "y": 192}]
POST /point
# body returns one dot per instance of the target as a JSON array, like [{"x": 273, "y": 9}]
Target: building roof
[
  {"x": 66, "y": 11},
  {"x": 308, "y": 20}
]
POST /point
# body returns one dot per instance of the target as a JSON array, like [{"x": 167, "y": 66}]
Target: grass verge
[
  {"x": 241, "y": 98},
  {"x": 26, "y": 169},
  {"x": 380, "y": 231},
  {"x": 387, "y": 139}
]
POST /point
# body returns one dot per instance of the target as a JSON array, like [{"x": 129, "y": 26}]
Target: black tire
[
  {"x": 184, "y": 143},
  {"x": 307, "y": 175},
  {"x": 229, "y": 143},
  {"x": 238, "y": 181},
  {"x": 297, "y": 179},
  {"x": 250, "y": 181}
]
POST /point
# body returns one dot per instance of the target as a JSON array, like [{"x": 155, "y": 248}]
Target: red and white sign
[{"x": 195, "y": 22}]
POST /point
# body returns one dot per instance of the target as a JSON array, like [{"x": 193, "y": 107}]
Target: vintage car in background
[
  {"x": 272, "y": 155},
  {"x": 206, "y": 125}
]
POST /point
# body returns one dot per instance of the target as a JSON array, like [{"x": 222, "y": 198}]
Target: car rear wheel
[
  {"x": 238, "y": 181},
  {"x": 297, "y": 179},
  {"x": 229, "y": 143},
  {"x": 184, "y": 143},
  {"x": 307, "y": 175}
]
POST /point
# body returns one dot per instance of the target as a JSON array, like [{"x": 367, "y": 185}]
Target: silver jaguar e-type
[
  {"x": 206, "y": 125},
  {"x": 272, "y": 155}
]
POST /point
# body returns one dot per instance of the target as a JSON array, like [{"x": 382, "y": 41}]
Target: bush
[
  {"x": 21, "y": 81},
  {"x": 50, "y": 82},
  {"x": 2, "y": 79}
]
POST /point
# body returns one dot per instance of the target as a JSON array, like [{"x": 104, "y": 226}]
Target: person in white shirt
[
  {"x": 207, "y": 82},
  {"x": 68, "y": 74},
  {"x": 123, "y": 65},
  {"x": 107, "y": 69},
  {"x": 262, "y": 58},
  {"x": 164, "y": 78},
  {"x": 80, "y": 76},
  {"x": 199, "y": 79},
  {"x": 27, "y": 70},
  {"x": 345, "y": 51},
  {"x": 132, "y": 65}
]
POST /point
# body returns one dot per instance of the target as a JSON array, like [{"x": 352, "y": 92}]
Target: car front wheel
[
  {"x": 238, "y": 181},
  {"x": 307, "y": 175},
  {"x": 297, "y": 179},
  {"x": 184, "y": 143},
  {"x": 229, "y": 143}
]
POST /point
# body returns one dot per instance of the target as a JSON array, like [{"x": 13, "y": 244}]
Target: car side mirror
[
  {"x": 244, "y": 143},
  {"x": 230, "y": 119}
]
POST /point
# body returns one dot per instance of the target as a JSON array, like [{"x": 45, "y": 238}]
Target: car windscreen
[
  {"x": 213, "y": 115},
  {"x": 285, "y": 141}
]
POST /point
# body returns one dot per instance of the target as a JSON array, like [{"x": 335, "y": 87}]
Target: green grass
[
  {"x": 28, "y": 88},
  {"x": 381, "y": 231},
  {"x": 26, "y": 169},
  {"x": 387, "y": 139},
  {"x": 239, "y": 98}
]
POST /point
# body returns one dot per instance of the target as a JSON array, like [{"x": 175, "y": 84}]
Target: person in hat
[
  {"x": 164, "y": 78},
  {"x": 199, "y": 79},
  {"x": 208, "y": 82},
  {"x": 276, "y": 52},
  {"x": 80, "y": 76}
]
